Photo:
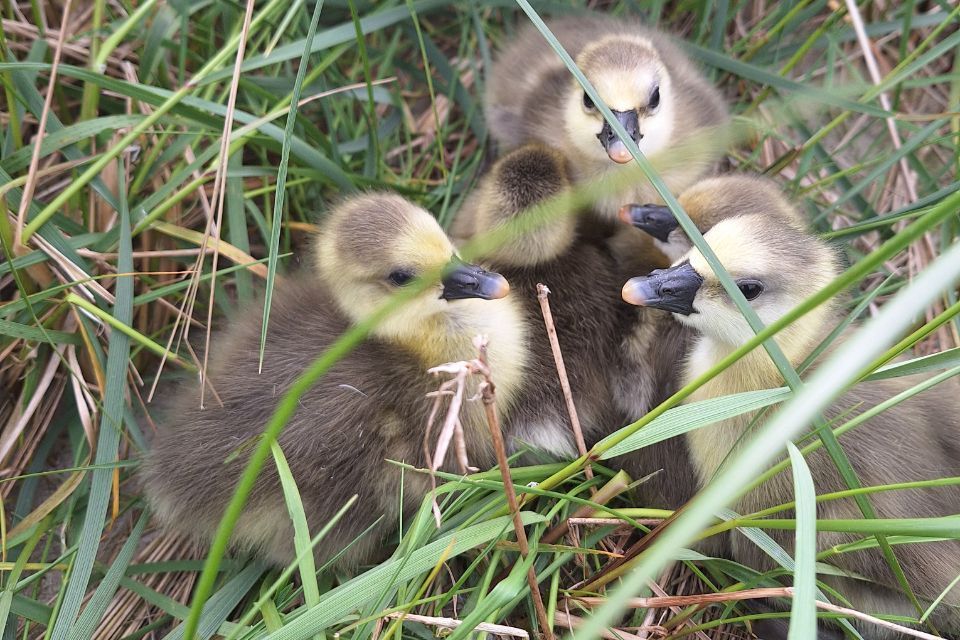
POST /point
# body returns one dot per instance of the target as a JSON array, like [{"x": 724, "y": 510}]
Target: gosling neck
[{"x": 448, "y": 336}]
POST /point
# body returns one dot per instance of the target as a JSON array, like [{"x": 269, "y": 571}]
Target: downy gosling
[
  {"x": 776, "y": 266},
  {"x": 663, "y": 101},
  {"x": 368, "y": 408},
  {"x": 528, "y": 190},
  {"x": 526, "y": 197}
]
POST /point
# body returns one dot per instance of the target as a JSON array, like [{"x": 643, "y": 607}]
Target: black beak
[
  {"x": 461, "y": 281},
  {"x": 670, "y": 289},
  {"x": 614, "y": 147},
  {"x": 655, "y": 219}
]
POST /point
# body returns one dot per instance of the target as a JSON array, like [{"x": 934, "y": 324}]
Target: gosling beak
[
  {"x": 615, "y": 147},
  {"x": 670, "y": 289},
  {"x": 655, "y": 219},
  {"x": 461, "y": 281}
]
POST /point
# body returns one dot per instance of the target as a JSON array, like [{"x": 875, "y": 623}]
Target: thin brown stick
[
  {"x": 453, "y": 623},
  {"x": 572, "y": 622},
  {"x": 754, "y": 594},
  {"x": 489, "y": 399},
  {"x": 32, "y": 176},
  {"x": 853, "y": 11},
  {"x": 542, "y": 296},
  {"x": 617, "y": 485},
  {"x": 220, "y": 188},
  {"x": 595, "y": 522}
]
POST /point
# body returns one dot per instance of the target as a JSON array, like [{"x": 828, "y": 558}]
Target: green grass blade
[
  {"x": 501, "y": 595},
  {"x": 688, "y": 417},
  {"x": 282, "y": 179},
  {"x": 347, "y": 597},
  {"x": 826, "y": 384},
  {"x": 803, "y": 610},
  {"x": 217, "y": 609},
  {"x": 108, "y": 440},
  {"x": 86, "y": 624},
  {"x": 301, "y": 532}
]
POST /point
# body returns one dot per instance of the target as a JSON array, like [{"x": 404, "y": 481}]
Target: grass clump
[{"x": 168, "y": 187}]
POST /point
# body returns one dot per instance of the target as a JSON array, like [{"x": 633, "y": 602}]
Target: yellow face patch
[
  {"x": 738, "y": 249},
  {"x": 422, "y": 245},
  {"x": 625, "y": 70}
]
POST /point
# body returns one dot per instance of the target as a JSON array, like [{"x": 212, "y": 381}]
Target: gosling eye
[
  {"x": 751, "y": 289},
  {"x": 588, "y": 102},
  {"x": 400, "y": 277},
  {"x": 654, "y": 100}
]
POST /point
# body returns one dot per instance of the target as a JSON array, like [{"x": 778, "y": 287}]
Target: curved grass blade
[
  {"x": 803, "y": 610},
  {"x": 282, "y": 180},
  {"x": 87, "y": 622},
  {"x": 108, "y": 440},
  {"x": 824, "y": 386},
  {"x": 301, "y": 531},
  {"x": 339, "y": 602}
]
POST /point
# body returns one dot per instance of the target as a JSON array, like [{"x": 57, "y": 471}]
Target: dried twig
[
  {"x": 27, "y": 196},
  {"x": 572, "y": 622},
  {"x": 488, "y": 396},
  {"x": 452, "y": 430},
  {"x": 754, "y": 594},
  {"x": 617, "y": 485},
  {"x": 453, "y": 623},
  {"x": 542, "y": 296},
  {"x": 220, "y": 188}
]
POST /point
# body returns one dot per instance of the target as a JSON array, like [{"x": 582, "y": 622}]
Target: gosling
[
  {"x": 368, "y": 408},
  {"x": 658, "y": 95},
  {"x": 776, "y": 266},
  {"x": 613, "y": 380},
  {"x": 526, "y": 196}
]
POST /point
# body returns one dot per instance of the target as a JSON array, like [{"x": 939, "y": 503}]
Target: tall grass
[{"x": 151, "y": 191}]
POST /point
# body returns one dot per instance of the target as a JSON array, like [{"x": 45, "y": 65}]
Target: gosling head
[
  {"x": 775, "y": 265},
  {"x": 525, "y": 191},
  {"x": 634, "y": 83},
  {"x": 708, "y": 202},
  {"x": 373, "y": 245}
]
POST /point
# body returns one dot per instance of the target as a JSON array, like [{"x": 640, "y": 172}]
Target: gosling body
[
  {"x": 368, "y": 408},
  {"x": 655, "y": 346},
  {"x": 582, "y": 279},
  {"x": 613, "y": 380}
]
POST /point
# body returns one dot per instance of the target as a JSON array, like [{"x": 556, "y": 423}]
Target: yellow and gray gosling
[
  {"x": 776, "y": 266},
  {"x": 612, "y": 383},
  {"x": 708, "y": 202},
  {"x": 583, "y": 281},
  {"x": 658, "y": 95},
  {"x": 368, "y": 408}
]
